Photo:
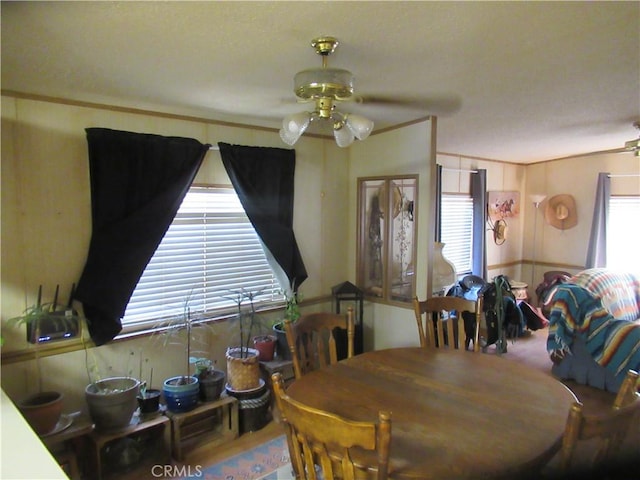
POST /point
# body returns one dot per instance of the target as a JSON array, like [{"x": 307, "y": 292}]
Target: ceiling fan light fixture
[
  {"x": 343, "y": 136},
  {"x": 288, "y": 137},
  {"x": 296, "y": 123},
  {"x": 323, "y": 82},
  {"x": 360, "y": 126},
  {"x": 325, "y": 86}
]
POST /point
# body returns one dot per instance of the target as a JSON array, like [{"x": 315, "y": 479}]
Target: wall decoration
[
  {"x": 560, "y": 212},
  {"x": 503, "y": 205},
  {"x": 387, "y": 237}
]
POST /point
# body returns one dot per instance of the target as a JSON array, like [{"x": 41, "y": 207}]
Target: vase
[
  {"x": 443, "y": 272},
  {"x": 42, "y": 411},
  {"x": 266, "y": 346},
  {"x": 243, "y": 368},
  {"x": 282, "y": 347},
  {"x": 181, "y": 393},
  {"x": 112, "y": 402}
]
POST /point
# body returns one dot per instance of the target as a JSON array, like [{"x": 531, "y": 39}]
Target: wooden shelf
[
  {"x": 68, "y": 445},
  {"x": 154, "y": 449},
  {"x": 212, "y": 423}
]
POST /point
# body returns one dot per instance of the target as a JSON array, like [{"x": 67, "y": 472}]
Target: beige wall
[
  {"x": 46, "y": 227},
  {"x": 46, "y": 222},
  {"x": 502, "y": 177},
  {"x": 567, "y": 249},
  {"x": 409, "y": 150}
]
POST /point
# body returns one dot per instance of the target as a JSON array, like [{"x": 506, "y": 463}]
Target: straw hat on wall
[{"x": 560, "y": 212}]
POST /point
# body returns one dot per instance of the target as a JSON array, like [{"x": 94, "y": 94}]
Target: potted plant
[
  {"x": 43, "y": 409},
  {"x": 243, "y": 367},
  {"x": 266, "y": 346},
  {"x": 148, "y": 397},
  {"x": 210, "y": 379},
  {"x": 182, "y": 392},
  {"x": 291, "y": 314}
]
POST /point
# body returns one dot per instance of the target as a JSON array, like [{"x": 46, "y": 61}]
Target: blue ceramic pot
[{"x": 180, "y": 396}]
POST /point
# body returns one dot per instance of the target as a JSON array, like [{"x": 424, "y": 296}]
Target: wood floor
[{"x": 529, "y": 350}]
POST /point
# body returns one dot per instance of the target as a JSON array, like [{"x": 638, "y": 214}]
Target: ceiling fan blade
[{"x": 443, "y": 104}]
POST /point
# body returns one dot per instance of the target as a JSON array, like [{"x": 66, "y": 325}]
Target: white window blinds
[
  {"x": 623, "y": 231},
  {"x": 456, "y": 230},
  {"x": 210, "y": 250}
]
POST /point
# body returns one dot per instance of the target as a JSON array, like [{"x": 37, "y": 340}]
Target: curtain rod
[
  {"x": 624, "y": 175},
  {"x": 458, "y": 170}
]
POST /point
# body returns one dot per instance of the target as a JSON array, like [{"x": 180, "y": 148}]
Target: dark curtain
[
  {"x": 438, "y": 236},
  {"x": 479, "y": 247},
  {"x": 597, "y": 250},
  {"x": 138, "y": 182},
  {"x": 263, "y": 180}
]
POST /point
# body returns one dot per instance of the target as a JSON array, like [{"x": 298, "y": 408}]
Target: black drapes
[
  {"x": 138, "y": 182},
  {"x": 263, "y": 180}
]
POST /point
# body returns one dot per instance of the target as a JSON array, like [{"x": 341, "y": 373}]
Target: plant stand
[
  {"x": 156, "y": 429},
  {"x": 67, "y": 446},
  {"x": 253, "y": 407},
  {"x": 212, "y": 423}
]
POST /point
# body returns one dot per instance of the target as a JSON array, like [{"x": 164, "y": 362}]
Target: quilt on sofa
[
  {"x": 619, "y": 292},
  {"x": 577, "y": 316}
]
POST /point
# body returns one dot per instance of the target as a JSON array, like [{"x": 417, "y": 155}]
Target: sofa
[{"x": 594, "y": 328}]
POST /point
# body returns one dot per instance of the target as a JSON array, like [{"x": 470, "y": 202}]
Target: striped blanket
[{"x": 613, "y": 344}]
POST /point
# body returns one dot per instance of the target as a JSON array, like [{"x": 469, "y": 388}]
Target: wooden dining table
[{"x": 455, "y": 413}]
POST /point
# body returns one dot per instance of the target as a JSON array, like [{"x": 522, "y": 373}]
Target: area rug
[{"x": 269, "y": 461}]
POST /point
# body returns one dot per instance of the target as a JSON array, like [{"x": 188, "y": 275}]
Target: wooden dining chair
[
  {"x": 323, "y": 440},
  {"x": 312, "y": 340},
  {"x": 609, "y": 428},
  {"x": 440, "y": 316}
]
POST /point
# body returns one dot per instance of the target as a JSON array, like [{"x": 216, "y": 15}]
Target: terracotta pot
[
  {"x": 42, "y": 410},
  {"x": 266, "y": 346}
]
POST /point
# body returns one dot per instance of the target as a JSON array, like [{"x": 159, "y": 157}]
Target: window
[
  {"x": 623, "y": 231},
  {"x": 210, "y": 250},
  {"x": 456, "y": 230}
]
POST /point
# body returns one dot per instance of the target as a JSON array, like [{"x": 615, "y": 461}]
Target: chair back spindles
[
  {"x": 312, "y": 340},
  {"x": 323, "y": 440},
  {"x": 609, "y": 428},
  {"x": 440, "y": 322}
]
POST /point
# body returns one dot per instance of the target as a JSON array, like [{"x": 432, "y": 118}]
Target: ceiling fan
[
  {"x": 634, "y": 145},
  {"x": 326, "y": 87}
]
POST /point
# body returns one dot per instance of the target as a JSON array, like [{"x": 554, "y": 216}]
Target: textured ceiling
[{"x": 512, "y": 81}]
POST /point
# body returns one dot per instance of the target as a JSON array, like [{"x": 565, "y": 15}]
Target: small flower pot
[
  {"x": 266, "y": 346},
  {"x": 150, "y": 401},
  {"x": 211, "y": 384}
]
